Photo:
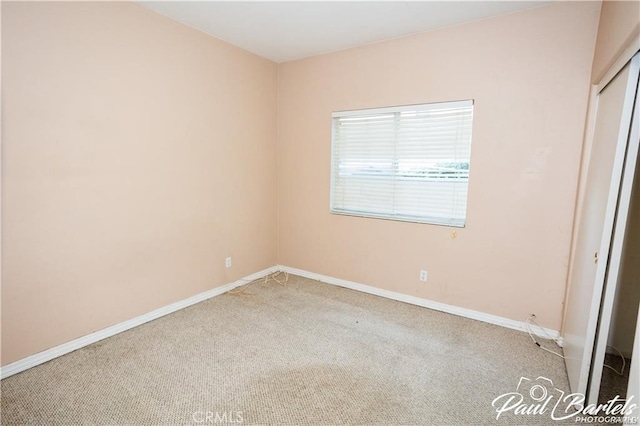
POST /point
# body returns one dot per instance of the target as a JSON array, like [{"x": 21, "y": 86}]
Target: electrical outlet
[
  {"x": 227, "y": 262},
  {"x": 423, "y": 276}
]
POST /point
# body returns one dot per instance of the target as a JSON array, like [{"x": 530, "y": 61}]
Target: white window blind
[{"x": 408, "y": 163}]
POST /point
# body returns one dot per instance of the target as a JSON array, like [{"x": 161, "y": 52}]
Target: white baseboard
[
  {"x": 65, "y": 348},
  {"x": 425, "y": 303}
]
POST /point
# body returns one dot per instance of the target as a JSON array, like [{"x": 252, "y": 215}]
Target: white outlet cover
[
  {"x": 423, "y": 275},
  {"x": 227, "y": 262}
]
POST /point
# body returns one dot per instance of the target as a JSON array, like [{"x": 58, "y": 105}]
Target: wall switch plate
[
  {"x": 227, "y": 262},
  {"x": 423, "y": 276}
]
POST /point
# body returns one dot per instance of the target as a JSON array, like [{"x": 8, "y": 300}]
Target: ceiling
[{"x": 284, "y": 30}]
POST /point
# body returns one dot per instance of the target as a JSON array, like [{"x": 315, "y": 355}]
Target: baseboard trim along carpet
[
  {"x": 425, "y": 303},
  {"x": 65, "y": 348}
]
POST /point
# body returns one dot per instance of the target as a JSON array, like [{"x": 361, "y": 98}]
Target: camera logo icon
[{"x": 539, "y": 389}]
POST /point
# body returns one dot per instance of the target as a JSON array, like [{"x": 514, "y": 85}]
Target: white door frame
[
  {"x": 634, "y": 375},
  {"x": 617, "y": 245}
]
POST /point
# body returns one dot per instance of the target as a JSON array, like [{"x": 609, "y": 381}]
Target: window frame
[{"x": 451, "y": 222}]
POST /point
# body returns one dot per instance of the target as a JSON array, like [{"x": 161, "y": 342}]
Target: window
[{"x": 408, "y": 163}]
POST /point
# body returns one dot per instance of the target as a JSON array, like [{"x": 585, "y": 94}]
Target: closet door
[
  {"x": 597, "y": 217},
  {"x": 612, "y": 276}
]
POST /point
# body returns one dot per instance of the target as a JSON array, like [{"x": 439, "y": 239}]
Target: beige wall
[
  {"x": 619, "y": 26},
  {"x": 141, "y": 172},
  {"x": 618, "y": 29},
  {"x": 529, "y": 75},
  {"x": 137, "y": 154}
]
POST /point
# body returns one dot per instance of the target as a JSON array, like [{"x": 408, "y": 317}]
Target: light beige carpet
[{"x": 306, "y": 353}]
